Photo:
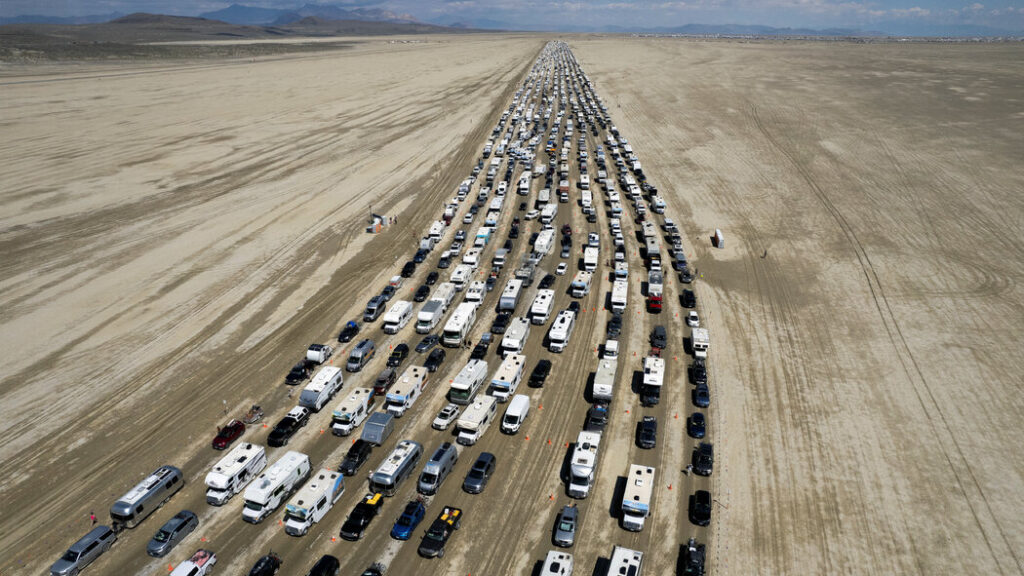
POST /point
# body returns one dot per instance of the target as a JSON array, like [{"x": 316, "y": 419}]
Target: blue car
[{"x": 408, "y": 521}]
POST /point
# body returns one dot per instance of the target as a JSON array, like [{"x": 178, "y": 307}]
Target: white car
[
  {"x": 562, "y": 268},
  {"x": 199, "y": 564},
  {"x": 532, "y": 214},
  {"x": 692, "y": 320},
  {"x": 445, "y": 417},
  {"x": 468, "y": 218}
]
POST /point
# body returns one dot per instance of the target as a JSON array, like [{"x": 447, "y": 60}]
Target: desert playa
[{"x": 174, "y": 232}]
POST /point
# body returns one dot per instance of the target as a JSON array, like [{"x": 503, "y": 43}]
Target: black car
[
  {"x": 428, "y": 342},
  {"x": 701, "y": 396},
  {"x": 444, "y": 263},
  {"x": 698, "y": 371},
  {"x": 703, "y": 459},
  {"x": 693, "y": 560},
  {"x": 647, "y": 432},
  {"x": 700, "y": 508},
  {"x": 513, "y": 232},
  {"x": 508, "y": 245},
  {"x": 266, "y": 566},
  {"x": 540, "y": 373},
  {"x": 480, "y": 473},
  {"x": 696, "y": 426},
  {"x": 440, "y": 530},
  {"x": 659, "y": 338},
  {"x": 409, "y": 269},
  {"x": 361, "y": 516},
  {"x": 420, "y": 255},
  {"x": 533, "y": 238},
  {"x": 388, "y": 292},
  {"x": 398, "y": 355},
  {"x": 479, "y": 351},
  {"x": 288, "y": 426},
  {"x": 522, "y": 206},
  {"x": 435, "y": 360},
  {"x": 574, "y": 307},
  {"x": 327, "y": 565},
  {"x": 375, "y": 569},
  {"x": 357, "y": 454},
  {"x": 688, "y": 299},
  {"x": 349, "y": 332},
  {"x": 299, "y": 373},
  {"x": 431, "y": 279},
  {"x": 592, "y": 217},
  {"x": 547, "y": 281},
  {"x": 650, "y": 395},
  {"x": 597, "y": 417},
  {"x": 614, "y": 327},
  {"x": 501, "y": 322},
  {"x": 421, "y": 293}
]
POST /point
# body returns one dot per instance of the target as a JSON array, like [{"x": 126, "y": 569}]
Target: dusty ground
[
  {"x": 866, "y": 373},
  {"x": 174, "y": 236}
]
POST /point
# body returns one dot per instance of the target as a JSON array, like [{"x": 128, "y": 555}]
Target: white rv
[
  {"x": 515, "y": 336},
  {"x": 352, "y": 411},
  {"x": 557, "y": 563},
  {"x": 312, "y": 502},
  {"x": 583, "y": 466},
  {"x": 429, "y": 316},
  {"x": 275, "y": 485},
  {"x": 636, "y": 500},
  {"x": 445, "y": 293},
  {"x": 397, "y": 317},
  {"x": 472, "y": 257},
  {"x": 545, "y": 239},
  {"x": 548, "y": 213},
  {"x": 321, "y": 389},
  {"x": 461, "y": 275},
  {"x": 459, "y": 324},
  {"x": 510, "y": 295},
  {"x": 654, "y": 378},
  {"x": 580, "y": 286},
  {"x": 466, "y": 383},
  {"x": 475, "y": 419},
  {"x": 620, "y": 295},
  {"x": 437, "y": 230},
  {"x": 590, "y": 258},
  {"x": 507, "y": 378},
  {"x": 475, "y": 292},
  {"x": 234, "y": 472},
  {"x": 587, "y": 199},
  {"x": 604, "y": 379},
  {"x": 625, "y": 561},
  {"x": 655, "y": 282},
  {"x": 405, "y": 391},
  {"x": 540, "y": 310},
  {"x": 700, "y": 339},
  {"x": 561, "y": 330},
  {"x": 398, "y": 466}
]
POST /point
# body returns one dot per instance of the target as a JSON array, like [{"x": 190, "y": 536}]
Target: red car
[{"x": 228, "y": 434}]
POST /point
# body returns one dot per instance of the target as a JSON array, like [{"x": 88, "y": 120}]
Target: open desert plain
[{"x": 175, "y": 231}]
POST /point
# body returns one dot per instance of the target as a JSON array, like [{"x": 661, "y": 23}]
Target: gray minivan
[
  {"x": 172, "y": 532},
  {"x": 437, "y": 469},
  {"x": 83, "y": 552},
  {"x": 360, "y": 355},
  {"x": 374, "y": 308}
]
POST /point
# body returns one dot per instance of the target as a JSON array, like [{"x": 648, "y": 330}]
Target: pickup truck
[
  {"x": 440, "y": 530},
  {"x": 364, "y": 512}
]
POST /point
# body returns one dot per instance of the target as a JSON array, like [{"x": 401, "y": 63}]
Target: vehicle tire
[{"x": 441, "y": 553}]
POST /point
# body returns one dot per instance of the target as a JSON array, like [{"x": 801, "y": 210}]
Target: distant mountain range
[{"x": 254, "y": 16}]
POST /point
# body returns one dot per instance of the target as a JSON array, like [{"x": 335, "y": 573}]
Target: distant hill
[
  {"x": 39, "y": 19},
  {"x": 253, "y": 15},
  {"x": 245, "y": 15}
]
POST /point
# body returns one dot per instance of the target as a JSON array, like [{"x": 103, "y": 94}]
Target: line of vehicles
[{"x": 307, "y": 493}]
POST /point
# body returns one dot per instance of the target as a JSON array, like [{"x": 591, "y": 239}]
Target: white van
[
  {"x": 516, "y": 413},
  {"x": 397, "y": 317}
]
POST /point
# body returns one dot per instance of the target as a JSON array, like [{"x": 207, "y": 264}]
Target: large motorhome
[
  {"x": 545, "y": 239},
  {"x": 590, "y": 258},
  {"x": 398, "y": 466},
  {"x": 352, "y": 411},
  {"x": 312, "y": 502},
  {"x": 654, "y": 377},
  {"x": 461, "y": 275},
  {"x": 626, "y": 561},
  {"x": 580, "y": 286},
  {"x": 406, "y": 391},
  {"x": 561, "y": 330},
  {"x": 510, "y": 295},
  {"x": 274, "y": 486},
  {"x": 234, "y": 472},
  {"x": 700, "y": 340},
  {"x": 604, "y": 379},
  {"x": 636, "y": 500},
  {"x": 583, "y": 466},
  {"x": 466, "y": 383},
  {"x": 397, "y": 317},
  {"x": 515, "y": 336},
  {"x": 506, "y": 379},
  {"x": 322, "y": 388},
  {"x": 429, "y": 316},
  {"x": 620, "y": 295},
  {"x": 459, "y": 324},
  {"x": 475, "y": 420},
  {"x": 540, "y": 310},
  {"x": 146, "y": 497}
]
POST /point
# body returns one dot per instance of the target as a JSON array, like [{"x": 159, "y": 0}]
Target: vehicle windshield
[
  {"x": 70, "y": 556},
  {"x": 565, "y": 526},
  {"x": 161, "y": 536},
  {"x": 428, "y": 478},
  {"x": 253, "y": 506}
]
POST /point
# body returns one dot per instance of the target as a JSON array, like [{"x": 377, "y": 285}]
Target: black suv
[
  {"x": 288, "y": 426},
  {"x": 349, "y": 332},
  {"x": 698, "y": 372},
  {"x": 700, "y": 508},
  {"x": 659, "y": 338},
  {"x": 409, "y": 269},
  {"x": 501, "y": 322},
  {"x": 398, "y": 355},
  {"x": 597, "y": 417},
  {"x": 540, "y": 373},
  {"x": 431, "y": 278},
  {"x": 434, "y": 360},
  {"x": 688, "y": 299},
  {"x": 361, "y": 516},
  {"x": 614, "y": 326},
  {"x": 421, "y": 293},
  {"x": 647, "y": 432},
  {"x": 299, "y": 373},
  {"x": 703, "y": 459},
  {"x": 354, "y": 458}
]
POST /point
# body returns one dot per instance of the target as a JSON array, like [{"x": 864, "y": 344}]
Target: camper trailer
[
  {"x": 398, "y": 466},
  {"x": 274, "y": 486},
  {"x": 321, "y": 389},
  {"x": 406, "y": 391},
  {"x": 146, "y": 497}
]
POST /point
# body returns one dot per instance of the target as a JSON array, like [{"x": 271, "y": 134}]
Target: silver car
[
  {"x": 83, "y": 552},
  {"x": 171, "y": 533},
  {"x": 565, "y": 526}
]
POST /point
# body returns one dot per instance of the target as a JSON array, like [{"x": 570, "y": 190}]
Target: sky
[{"x": 554, "y": 14}]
